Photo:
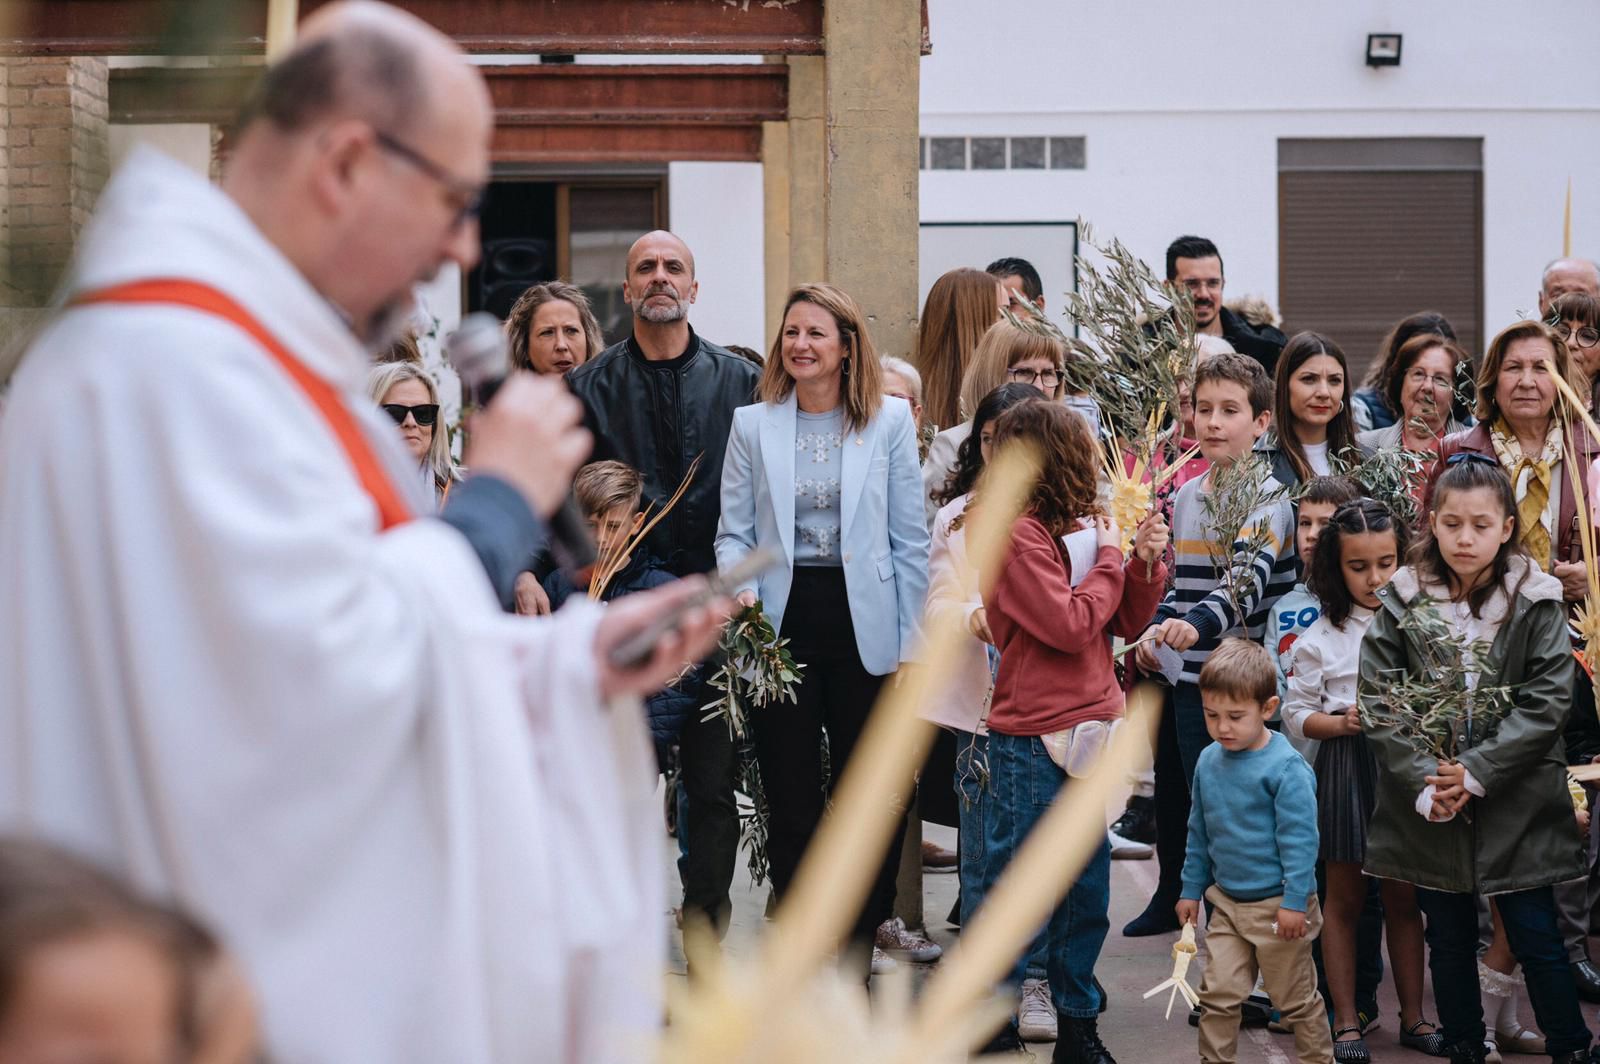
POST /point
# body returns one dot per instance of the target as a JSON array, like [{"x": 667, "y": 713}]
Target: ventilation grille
[{"x": 1002, "y": 153}]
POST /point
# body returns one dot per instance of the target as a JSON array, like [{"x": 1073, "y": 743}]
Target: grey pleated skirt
[{"x": 1346, "y": 781}]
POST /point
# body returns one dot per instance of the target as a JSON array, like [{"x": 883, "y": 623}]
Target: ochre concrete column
[
  {"x": 873, "y": 56},
  {"x": 808, "y": 171},
  {"x": 54, "y": 158},
  {"x": 775, "y": 219}
]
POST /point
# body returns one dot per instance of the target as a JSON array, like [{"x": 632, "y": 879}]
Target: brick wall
[{"x": 54, "y": 156}]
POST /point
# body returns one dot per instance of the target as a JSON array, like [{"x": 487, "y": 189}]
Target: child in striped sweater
[{"x": 1232, "y": 398}]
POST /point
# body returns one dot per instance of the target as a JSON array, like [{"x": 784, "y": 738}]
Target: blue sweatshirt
[{"x": 1253, "y": 825}]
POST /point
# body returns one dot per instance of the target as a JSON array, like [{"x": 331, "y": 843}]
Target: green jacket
[{"x": 1521, "y": 834}]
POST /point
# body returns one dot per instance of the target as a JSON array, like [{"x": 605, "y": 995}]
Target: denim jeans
[
  {"x": 1529, "y": 917},
  {"x": 975, "y": 801},
  {"x": 1025, "y": 782}
]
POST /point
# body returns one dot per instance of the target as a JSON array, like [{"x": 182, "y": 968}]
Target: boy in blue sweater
[
  {"x": 609, "y": 495},
  {"x": 1252, "y": 854}
]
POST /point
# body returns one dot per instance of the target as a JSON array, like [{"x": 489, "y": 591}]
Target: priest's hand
[
  {"x": 532, "y": 437},
  {"x": 692, "y": 640}
]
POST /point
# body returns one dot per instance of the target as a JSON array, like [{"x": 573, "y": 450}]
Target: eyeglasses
[
  {"x": 1047, "y": 377},
  {"x": 425, "y": 413},
  {"x": 1583, "y": 336},
  {"x": 902, "y": 395},
  {"x": 467, "y": 197},
  {"x": 1422, "y": 376}
]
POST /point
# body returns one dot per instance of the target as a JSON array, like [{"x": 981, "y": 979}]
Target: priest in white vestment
[{"x": 233, "y": 673}]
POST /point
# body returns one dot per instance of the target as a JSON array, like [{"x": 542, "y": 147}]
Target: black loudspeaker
[{"x": 510, "y": 266}]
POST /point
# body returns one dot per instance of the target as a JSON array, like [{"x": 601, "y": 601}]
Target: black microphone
[{"x": 481, "y": 355}]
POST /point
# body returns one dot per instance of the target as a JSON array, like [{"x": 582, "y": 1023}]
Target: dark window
[
  {"x": 948, "y": 153},
  {"x": 988, "y": 153},
  {"x": 1027, "y": 153},
  {"x": 1067, "y": 153}
]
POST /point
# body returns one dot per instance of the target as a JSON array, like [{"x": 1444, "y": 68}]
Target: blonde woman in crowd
[{"x": 407, "y": 394}]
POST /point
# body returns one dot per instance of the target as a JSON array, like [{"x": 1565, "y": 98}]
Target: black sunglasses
[{"x": 425, "y": 413}]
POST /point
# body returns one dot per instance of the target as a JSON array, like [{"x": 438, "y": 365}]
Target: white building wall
[
  {"x": 717, "y": 209},
  {"x": 1182, "y": 107}
]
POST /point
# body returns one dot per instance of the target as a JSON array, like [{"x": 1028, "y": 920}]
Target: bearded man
[{"x": 656, "y": 401}]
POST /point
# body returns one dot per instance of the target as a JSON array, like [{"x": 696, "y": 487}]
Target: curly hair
[{"x": 1069, "y": 463}]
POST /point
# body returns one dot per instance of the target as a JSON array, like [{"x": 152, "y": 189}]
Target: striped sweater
[{"x": 1198, "y": 594}]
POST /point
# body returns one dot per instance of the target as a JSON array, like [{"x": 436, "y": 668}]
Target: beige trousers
[{"x": 1240, "y": 941}]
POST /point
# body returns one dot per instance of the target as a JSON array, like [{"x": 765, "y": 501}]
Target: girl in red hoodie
[{"x": 1056, "y": 691}]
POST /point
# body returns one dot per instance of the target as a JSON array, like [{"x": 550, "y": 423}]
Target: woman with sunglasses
[{"x": 407, "y": 394}]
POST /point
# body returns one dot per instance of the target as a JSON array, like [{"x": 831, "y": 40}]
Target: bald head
[
  {"x": 1564, "y": 276},
  {"x": 362, "y": 155},
  {"x": 366, "y": 60},
  {"x": 660, "y": 282},
  {"x": 660, "y": 242}
]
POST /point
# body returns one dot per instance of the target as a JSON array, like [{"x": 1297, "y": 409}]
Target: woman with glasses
[
  {"x": 1006, "y": 354},
  {"x": 408, "y": 395},
  {"x": 1422, "y": 387},
  {"x": 1575, "y": 319},
  {"x": 1371, "y": 405}
]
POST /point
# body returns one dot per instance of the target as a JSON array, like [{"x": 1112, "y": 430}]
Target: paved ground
[{"x": 1133, "y": 1028}]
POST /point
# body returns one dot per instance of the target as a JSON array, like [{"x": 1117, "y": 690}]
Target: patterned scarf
[{"x": 1531, "y": 480}]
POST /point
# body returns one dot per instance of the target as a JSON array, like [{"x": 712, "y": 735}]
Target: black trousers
[
  {"x": 707, "y": 763},
  {"x": 835, "y": 693}
]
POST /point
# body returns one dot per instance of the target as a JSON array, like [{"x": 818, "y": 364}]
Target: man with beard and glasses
[
  {"x": 1195, "y": 264},
  {"x": 655, "y": 402},
  {"x": 243, "y": 670}
]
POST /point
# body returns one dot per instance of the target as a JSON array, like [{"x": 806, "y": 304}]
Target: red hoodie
[{"x": 1055, "y": 639}]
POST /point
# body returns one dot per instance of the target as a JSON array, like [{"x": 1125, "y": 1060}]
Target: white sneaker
[
  {"x": 1036, "y": 1016},
  {"x": 1127, "y": 850},
  {"x": 882, "y": 963}
]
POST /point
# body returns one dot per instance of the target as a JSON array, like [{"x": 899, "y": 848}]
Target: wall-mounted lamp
[{"x": 1383, "y": 49}]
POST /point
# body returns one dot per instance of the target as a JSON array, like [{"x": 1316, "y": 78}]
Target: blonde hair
[
  {"x": 1241, "y": 670},
  {"x": 861, "y": 387},
  {"x": 960, "y": 306},
  {"x": 904, "y": 370},
  {"x": 1002, "y": 347},
  {"x": 386, "y": 375},
  {"x": 601, "y": 487}
]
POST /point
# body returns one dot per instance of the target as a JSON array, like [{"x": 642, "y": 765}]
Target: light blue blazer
[{"x": 883, "y": 536}]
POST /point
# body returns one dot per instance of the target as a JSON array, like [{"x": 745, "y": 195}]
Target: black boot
[
  {"x": 1467, "y": 1052},
  {"x": 1079, "y": 1042}
]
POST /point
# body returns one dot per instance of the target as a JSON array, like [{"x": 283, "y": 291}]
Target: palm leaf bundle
[
  {"x": 1586, "y": 618},
  {"x": 609, "y": 564}
]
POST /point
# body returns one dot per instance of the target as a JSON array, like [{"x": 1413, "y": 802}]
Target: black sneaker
[
  {"x": 1008, "y": 1042},
  {"x": 1079, "y": 1043},
  {"x": 1138, "y": 820}
]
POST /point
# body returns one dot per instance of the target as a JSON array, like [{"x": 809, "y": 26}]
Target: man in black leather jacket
[{"x": 655, "y": 401}]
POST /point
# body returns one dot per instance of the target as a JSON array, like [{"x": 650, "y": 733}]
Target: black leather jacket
[{"x": 656, "y": 416}]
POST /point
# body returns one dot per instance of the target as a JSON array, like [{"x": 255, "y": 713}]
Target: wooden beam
[
  {"x": 558, "y": 113},
  {"x": 507, "y": 27}
]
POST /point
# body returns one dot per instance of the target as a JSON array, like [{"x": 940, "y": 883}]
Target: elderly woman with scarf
[{"x": 1521, "y": 427}]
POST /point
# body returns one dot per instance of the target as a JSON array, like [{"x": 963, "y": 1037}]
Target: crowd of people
[
  {"x": 1272, "y": 798},
  {"x": 423, "y": 829}
]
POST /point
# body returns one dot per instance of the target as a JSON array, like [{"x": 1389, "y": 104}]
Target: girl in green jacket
[{"x": 1496, "y": 820}]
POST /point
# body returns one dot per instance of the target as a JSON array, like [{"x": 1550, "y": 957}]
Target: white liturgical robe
[{"x": 409, "y": 813}]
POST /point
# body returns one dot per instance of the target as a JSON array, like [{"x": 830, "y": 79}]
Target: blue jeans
[
  {"x": 1025, "y": 782},
  {"x": 1529, "y": 917},
  {"x": 976, "y": 810}
]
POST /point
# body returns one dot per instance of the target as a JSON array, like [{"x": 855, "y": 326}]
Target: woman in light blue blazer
[{"x": 823, "y": 472}]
